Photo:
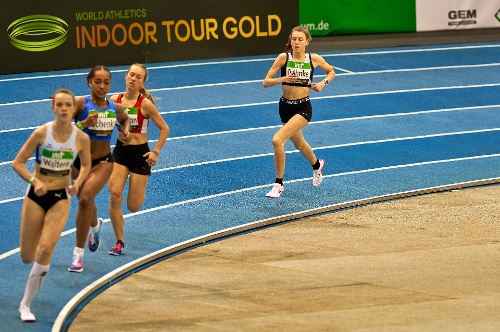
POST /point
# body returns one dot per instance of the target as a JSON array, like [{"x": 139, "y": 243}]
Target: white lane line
[
  {"x": 315, "y": 148},
  {"x": 290, "y": 181},
  {"x": 361, "y": 94},
  {"x": 347, "y": 73},
  {"x": 327, "y": 147},
  {"x": 211, "y": 63},
  {"x": 322, "y": 122},
  {"x": 227, "y": 193}
]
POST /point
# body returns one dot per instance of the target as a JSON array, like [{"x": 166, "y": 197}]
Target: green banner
[{"x": 344, "y": 17}]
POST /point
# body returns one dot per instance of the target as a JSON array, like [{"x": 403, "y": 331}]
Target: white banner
[{"x": 457, "y": 14}]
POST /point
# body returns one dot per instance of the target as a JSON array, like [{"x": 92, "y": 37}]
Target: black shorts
[
  {"x": 106, "y": 159},
  {"x": 49, "y": 199},
  {"x": 132, "y": 157},
  {"x": 288, "y": 108}
]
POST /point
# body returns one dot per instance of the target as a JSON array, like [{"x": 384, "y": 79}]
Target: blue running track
[{"x": 394, "y": 122}]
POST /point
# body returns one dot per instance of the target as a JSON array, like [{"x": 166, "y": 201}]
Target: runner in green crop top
[
  {"x": 295, "y": 110},
  {"x": 302, "y": 70}
]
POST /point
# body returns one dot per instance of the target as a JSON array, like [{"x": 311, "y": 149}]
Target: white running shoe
[
  {"x": 318, "y": 173},
  {"x": 26, "y": 315},
  {"x": 276, "y": 191}
]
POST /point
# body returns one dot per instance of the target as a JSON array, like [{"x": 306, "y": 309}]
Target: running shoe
[
  {"x": 117, "y": 250},
  {"x": 318, "y": 173},
  {"x": 25, "y": 314},
  {"x": 76, "y": 264},
  {"x": 276, "y": 191},
  {"x": 94, "y": 241}
]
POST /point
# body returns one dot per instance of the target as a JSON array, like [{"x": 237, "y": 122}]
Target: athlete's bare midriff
[
  {"x": 99, "y": 149},
  {"x": 138, "y": 138},
  {"x": 291, "y": 92}
]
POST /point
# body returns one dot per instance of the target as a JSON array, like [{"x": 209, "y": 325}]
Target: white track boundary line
[
  {"x": 368, "y": 117},
  {"x": 347, "y": 73}
]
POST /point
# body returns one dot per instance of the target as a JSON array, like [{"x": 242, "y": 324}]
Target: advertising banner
[
  {"x": 54, "y": 35},
  {"x": 457, "y": 14},
  {"x": 341, "y": 17}
]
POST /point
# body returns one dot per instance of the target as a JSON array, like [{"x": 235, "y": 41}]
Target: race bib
[
  {"x": 56, "y": 163},
  {"x": 106, "y": 121},
  {"x": 133, "y": 114},
  {"x": 302, "y": 71}
]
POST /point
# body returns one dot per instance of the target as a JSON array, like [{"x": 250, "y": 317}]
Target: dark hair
[
  {"x": 288, "y": 46},
  {"x": 142, "y": 89},
  {"x": 91, "y": 73},
  {"x": 63, "y": 90}
]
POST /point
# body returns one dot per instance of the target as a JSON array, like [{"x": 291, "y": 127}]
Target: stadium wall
[
  {"x": 345, "y": 17},
  {"x": 53, "y": 35}
]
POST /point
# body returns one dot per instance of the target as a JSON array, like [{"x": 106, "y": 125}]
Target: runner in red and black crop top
[
  {"x": 133, "y": 160},
  {"x": 138, "y": 123},
  {"x": 131, "y": 156},
  {"x": 297, "y": 68}
]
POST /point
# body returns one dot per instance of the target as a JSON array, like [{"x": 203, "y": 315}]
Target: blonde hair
[
  {"x": 142, "y": 89},
  {"x": 288, "y": 46}
]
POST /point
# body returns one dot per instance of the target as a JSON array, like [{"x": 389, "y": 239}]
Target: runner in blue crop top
[
  {"x": 297, "y": 70},
  {"x": 96, "y": 116},
  {"x": 106, "y": 119}
]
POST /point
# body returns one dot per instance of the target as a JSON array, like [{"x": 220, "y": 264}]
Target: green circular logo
[{"x": 37, "y": 33}]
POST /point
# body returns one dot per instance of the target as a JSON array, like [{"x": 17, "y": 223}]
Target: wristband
[
  {"x": 326, "y": 81},
  {"x": 32, "y": 180},
  {"x": 79, "y": 125},
  {"x": 156, "y": 153}
]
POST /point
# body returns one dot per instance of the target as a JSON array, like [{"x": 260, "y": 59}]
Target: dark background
[{"x": 68, "y": 56}]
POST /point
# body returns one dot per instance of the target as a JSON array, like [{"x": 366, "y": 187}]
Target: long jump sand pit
[{"x": 424, "y": 263}]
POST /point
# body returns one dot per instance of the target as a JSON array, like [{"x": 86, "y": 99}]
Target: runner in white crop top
[
  {"x": 54, "y": 158},
  {"x": 46, "y": 205}
]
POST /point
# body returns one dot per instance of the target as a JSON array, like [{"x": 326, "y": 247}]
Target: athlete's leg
[
  {"x": 305, "y": 149},
  {"x": 136, "y": 191},
  {"x": 86, "y": 215},
  {"x": 31, "y": 229},
  {"x": 116, "y": 184},
  {"x": 289, "y": 129},
  {"x": 54, "y": 222},
  {"x": 53, "y": 225}
]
